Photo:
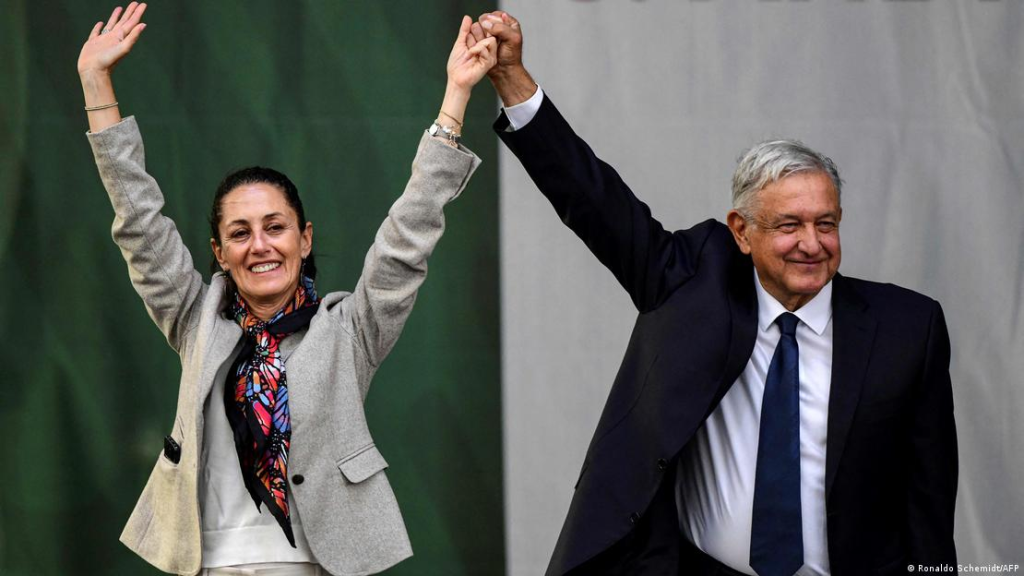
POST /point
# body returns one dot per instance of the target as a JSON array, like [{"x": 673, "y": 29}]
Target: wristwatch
[{"x": 445, "y": 131}]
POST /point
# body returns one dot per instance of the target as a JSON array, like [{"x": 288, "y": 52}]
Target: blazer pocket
[
  {"x": 362, "y": 464},
  {"x": 172, "y": 444},
  {"x": 172, "y": 450}
]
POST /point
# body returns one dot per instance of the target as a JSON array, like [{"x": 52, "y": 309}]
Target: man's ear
[
  {"x": 218, "y": 253},
  {"x": 740, "y": 228}
]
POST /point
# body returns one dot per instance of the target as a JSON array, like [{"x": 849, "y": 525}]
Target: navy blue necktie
[{"x": 776, "y": 534}]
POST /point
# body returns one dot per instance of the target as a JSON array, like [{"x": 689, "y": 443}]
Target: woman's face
[{"x": 261, "y": 245}]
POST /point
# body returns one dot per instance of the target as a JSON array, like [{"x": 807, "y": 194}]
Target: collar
[{"x": 816, "y": 314}]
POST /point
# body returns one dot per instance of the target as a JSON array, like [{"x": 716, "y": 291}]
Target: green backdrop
[{"x": 336, "y": 95}]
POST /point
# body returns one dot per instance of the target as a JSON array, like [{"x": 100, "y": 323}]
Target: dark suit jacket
[{"x": 891, "y": 463}]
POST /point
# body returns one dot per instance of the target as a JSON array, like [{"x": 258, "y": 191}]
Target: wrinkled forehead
[
  {"x": 255, "y": 202},
  {"x": 800, "y": 192}
]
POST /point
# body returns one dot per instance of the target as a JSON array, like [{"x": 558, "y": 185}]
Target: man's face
[{"x": 793, "y": 237}]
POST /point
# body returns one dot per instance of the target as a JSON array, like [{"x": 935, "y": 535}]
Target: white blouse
[{"x": 234, "y": 532}]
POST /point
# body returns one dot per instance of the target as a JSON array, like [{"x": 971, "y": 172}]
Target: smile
[
  {"x": 807, "y": 264},
  {"x": 261, "y": 268}
]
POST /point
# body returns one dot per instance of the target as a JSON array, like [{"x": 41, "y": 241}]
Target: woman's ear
[
  {"x": 307, "y": 240},
  {"x": 218, "y": 253}
]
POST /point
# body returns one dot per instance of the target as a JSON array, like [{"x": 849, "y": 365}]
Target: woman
[{"x": 240, "y": 443}]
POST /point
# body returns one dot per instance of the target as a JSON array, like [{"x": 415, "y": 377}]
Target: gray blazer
[{"x": 348, "y": 510}]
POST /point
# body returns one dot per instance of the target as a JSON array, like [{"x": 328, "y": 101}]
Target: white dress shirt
[
  {"x": 715, "y": 478},
  {"x": 521, "y": 114}
]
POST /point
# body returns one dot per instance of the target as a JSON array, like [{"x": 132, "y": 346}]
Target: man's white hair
[{"x": 771, "y": 161}]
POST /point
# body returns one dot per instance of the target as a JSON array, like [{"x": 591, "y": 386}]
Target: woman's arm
[
  {"x": 106, "y": 46},
  {"x": 159, "y": 264},
  {"x": 466, "y": 66},
  {"x": 396, "y": 264}
]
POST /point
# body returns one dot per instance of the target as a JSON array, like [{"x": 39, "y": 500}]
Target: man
[{"x": 770, "y": 416}]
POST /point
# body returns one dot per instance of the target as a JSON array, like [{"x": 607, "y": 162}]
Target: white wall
[{"x": 921, "y": 104}]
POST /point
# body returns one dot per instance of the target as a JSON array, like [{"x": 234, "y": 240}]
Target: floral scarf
[{"x": 256, "y": 400}]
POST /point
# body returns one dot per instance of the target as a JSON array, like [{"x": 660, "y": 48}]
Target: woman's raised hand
[
  {"x": 108, "y": 43},
  {"x": 466, "y": 66}
]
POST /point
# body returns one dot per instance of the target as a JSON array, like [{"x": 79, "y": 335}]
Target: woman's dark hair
[{"x": 256, "y": 175}]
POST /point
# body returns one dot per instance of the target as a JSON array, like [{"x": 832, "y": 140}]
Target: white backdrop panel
[{"x": 922, "y": 106}]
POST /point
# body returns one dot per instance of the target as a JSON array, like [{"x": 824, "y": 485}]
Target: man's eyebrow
[{"x": 781, "y": 217}]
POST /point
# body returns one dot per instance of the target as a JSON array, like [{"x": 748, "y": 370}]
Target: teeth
[{"x": 264, "y": 267}]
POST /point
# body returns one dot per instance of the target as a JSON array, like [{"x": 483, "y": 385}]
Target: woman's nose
[{"x": 259, "y": 243}]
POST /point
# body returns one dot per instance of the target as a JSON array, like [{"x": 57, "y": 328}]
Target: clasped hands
[
  {"x": 508, "y": 75},
  {"x": 494, "y": 43}
]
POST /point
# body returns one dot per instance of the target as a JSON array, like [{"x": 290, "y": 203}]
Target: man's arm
[
  {"x": 934, "y": 463},
  {"x": 587, "y": 193}
]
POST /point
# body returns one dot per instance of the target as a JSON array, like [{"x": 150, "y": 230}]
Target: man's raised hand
[
  {"x": 509, "y": 77},
  {"x": 506, "y": 29}
]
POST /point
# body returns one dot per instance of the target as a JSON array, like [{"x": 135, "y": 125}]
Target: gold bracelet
[
  {"x": 452, "y": 117},
  {"x": 100, "y": 107}
]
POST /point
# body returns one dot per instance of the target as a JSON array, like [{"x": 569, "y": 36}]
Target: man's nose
[{"x": 809, "y": 241}]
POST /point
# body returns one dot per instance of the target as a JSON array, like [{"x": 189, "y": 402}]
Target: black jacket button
[
  {"x": 298, "y": 479},
  {"x": 662, "y": 464},
  {"x": 634, "y": 518}
]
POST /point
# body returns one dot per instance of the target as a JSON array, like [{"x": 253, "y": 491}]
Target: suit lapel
[
  {"x": 224, "y": 339},
  {"x": 743, "y": 312},
  {"x": 853, "y": 336}
]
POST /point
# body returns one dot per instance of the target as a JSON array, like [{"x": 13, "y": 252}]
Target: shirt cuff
[{"x": 521, "y": 114}]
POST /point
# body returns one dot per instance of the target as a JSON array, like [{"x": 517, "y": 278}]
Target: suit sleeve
[
  {"x": 934, "y": 465},
  {"x": 592, "y": 200},
  {"x": 396, "y": 264},
  {"x": 159, "y": 263}
]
